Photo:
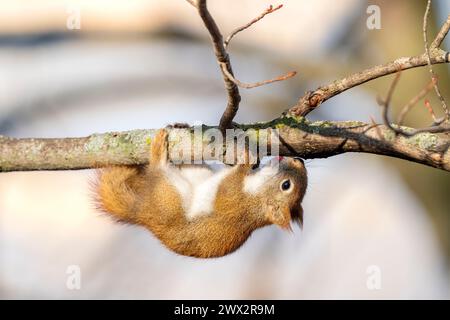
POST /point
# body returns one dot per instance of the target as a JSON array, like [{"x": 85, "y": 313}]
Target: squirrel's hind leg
[{"x": 159, "y": 149}]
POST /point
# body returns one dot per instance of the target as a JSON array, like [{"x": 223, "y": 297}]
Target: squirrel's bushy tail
[{"x": 114, "y": 194}]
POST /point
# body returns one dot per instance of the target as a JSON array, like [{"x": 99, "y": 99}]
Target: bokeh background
[{"x": 147, "y": 63}]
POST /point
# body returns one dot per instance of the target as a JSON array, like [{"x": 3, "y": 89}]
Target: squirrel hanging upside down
[{"x": 197, "y": 212}]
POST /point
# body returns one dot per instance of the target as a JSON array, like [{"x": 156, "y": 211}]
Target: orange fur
[{"x": 145, "y": 197}]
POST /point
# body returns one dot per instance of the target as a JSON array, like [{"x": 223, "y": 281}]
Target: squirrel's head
[{"x": 280, "y": 187}]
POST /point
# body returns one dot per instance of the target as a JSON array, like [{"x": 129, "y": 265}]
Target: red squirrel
[{"x": 197, "y": 212}]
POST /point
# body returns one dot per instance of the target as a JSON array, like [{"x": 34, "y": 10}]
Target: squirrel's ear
[{"x": 280, "y": 216}]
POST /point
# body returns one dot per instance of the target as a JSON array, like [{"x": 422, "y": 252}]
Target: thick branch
[
  {"x": 298, "y": 137},
  {"x": 312, "y": 100}
]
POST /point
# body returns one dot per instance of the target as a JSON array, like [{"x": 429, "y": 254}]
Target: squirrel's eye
[{"x": 286, "y": 185}]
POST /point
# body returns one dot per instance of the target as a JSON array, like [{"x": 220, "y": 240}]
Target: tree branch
[
  {"x": 223, "y": 59},
  {"x": 234, "y": 98},
  {"x": 430, "y": 66},
  {"x": 441, "y": 34},
  {"x": 313, "y": 99},
  {"x": 298, "y": 137},
  {"x": 432, "y": 55},
  {"x": 436, "y": 127}
]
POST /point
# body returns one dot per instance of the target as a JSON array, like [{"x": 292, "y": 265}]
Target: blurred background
[{"x": 374, "y": 227}]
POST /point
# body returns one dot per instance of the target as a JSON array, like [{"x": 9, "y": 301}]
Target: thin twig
[
  {"x": 373, "y": 124},
  {"x": 441, "y": 34},
  {"x": 435, "y": 128},
  {"x": 427, "y": 52},
  {"x": 431, "y": 129},
  {"x": 248, "y": 25},
  {"x": 255, "y": 84},
  {"x": 386, "y": 102},
  {"x": 414, "y": 101},
  {"x": 430, "y": 110}
]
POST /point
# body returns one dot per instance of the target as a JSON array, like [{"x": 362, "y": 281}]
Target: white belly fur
[{"x": 198, "y": 186}]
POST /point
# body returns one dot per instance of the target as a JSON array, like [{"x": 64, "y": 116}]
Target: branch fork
[
  {"x": 223, "y": 59},
  {"x": 433, "y": 55}
]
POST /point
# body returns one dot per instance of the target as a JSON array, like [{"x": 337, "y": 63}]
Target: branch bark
[
  {"x": 441, "y": 34},
  {"x": 298, "y": 137},
  {"x": 234, "y": 97},
  {"x": 313, "y": 99},
  {"x": 430, "y": 66},
  {"x": 223, "y": 59},
  {"x": 432, "y": 55}
]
